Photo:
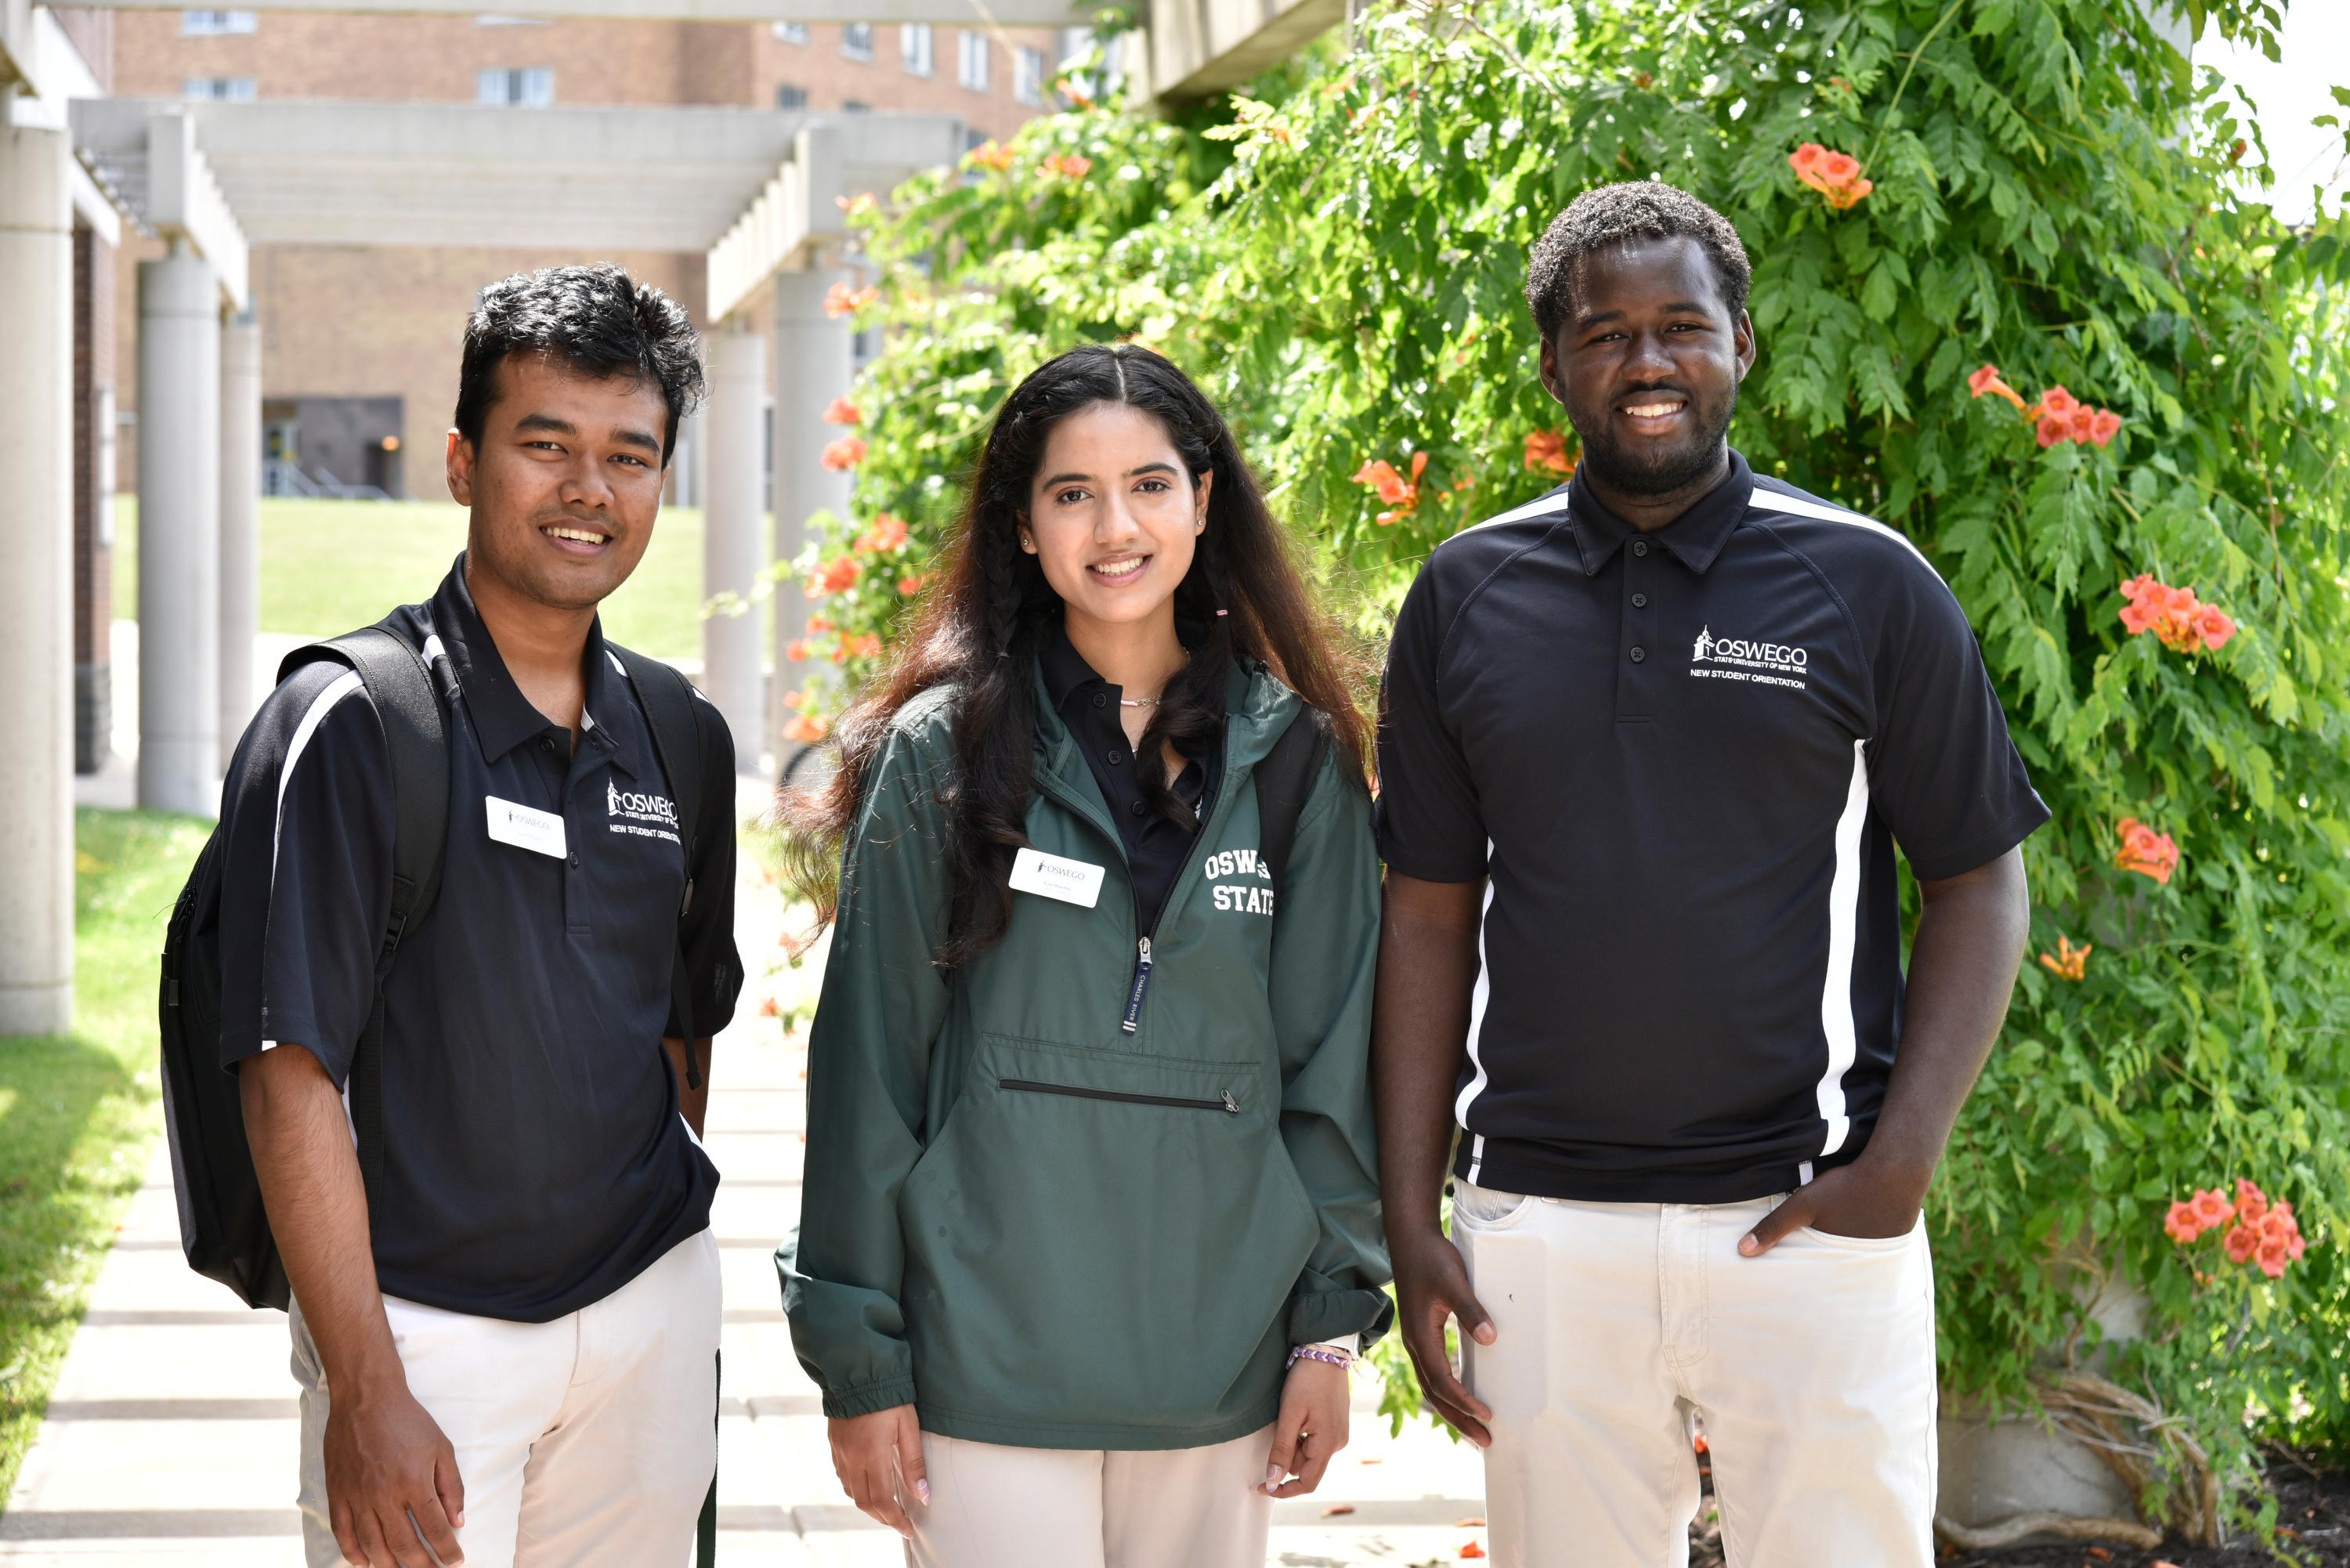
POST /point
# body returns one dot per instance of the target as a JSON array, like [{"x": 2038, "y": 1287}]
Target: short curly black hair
[
  {"x": 596, "y": 319},
  {"x": 1614, "y": 214}
]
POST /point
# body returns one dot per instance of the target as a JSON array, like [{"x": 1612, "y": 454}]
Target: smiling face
[
  {"x": 566, "y": 483},
  {"x": 1113, "y": 515},
  {"x": 1647, "y": 365}
]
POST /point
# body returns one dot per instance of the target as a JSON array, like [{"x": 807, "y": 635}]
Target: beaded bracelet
[{"x": 1338, "y": 1358}]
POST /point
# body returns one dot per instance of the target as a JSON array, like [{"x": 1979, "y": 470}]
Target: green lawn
[
  {"x": 78, "y": 1113},
  {"x": 330, "y": 565}
]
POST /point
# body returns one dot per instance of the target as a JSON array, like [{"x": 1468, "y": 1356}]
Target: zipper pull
[
  {"x": 1230, "y": 1104},
  {"x": 1141, "y": 986}
]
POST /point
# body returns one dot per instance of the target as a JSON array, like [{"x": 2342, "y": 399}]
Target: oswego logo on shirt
[
  {"x": 643, "y": 815},
  {"x": 1739, "y": 658}
]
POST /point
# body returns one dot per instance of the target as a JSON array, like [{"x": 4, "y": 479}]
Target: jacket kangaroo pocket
[{"x": 1147, "y": 1202}]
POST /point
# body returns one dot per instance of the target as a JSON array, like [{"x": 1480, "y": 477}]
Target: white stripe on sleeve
[
  {"x": 1835, "y": 994},
  {"x": 342, "y": 686},
  {"x": 1477, "y": 1027},
  {"x": 1772, "y": 500}
]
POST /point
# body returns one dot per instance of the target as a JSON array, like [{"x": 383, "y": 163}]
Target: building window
[
  {"x": 857, "y": 40},
  {"x": 219, "y": 89},
  {"x": 1028, "y": 75},
  {"x": 214, "y": 24},
  {"x": 971, "y": 64},
  {"x": 532, "y": 87},
  {"x": 790, "y": 97},
  {"x": 791, "y": 32},
  {"x": 914, "y": 48},
  {"x": 852, "y": 105}
]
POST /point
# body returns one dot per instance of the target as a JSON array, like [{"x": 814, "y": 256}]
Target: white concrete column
[
  {"x": 179, "y": 534},
  {"x": 36, "y": 319},
  {"x": 733, "y": 457},
  {"x": 814, "y": 361},
  {"x": 239, "y": 526}
]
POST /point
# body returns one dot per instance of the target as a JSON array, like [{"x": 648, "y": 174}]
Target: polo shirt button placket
[{"x": 1633, "y": 702}]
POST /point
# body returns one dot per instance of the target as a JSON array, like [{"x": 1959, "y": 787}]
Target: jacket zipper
[
  {"x": 1228, "y": 1104},
  {"x": 1138, "y": 986}
]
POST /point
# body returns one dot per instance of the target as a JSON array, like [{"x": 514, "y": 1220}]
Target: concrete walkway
[{"x": 172, "y": 1433}]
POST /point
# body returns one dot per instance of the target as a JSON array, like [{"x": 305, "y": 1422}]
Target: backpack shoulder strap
[
  {"x": 668, "y": 699},
  {"x": 1283, "y": 779},
  {"x": 417, "y": 731}
]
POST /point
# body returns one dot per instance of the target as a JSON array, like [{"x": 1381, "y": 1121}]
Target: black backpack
[
  {"x": 1283, "y": 779},
  {"x": 223, "y": 1229}
]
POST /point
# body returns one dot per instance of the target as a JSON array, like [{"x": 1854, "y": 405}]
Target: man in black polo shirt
[
  {"x": 1646, "y": 748},
  {"x": 505, "y": 1343}
]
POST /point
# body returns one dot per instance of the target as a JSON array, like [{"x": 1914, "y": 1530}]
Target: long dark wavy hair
[{"x": 979, "y": 629}]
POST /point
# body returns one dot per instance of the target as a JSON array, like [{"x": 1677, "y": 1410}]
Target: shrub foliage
[{"x": 2043, "y": 185}]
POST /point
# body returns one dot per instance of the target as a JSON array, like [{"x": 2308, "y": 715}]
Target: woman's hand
[
  {"x": 871, "y": 1454},
  {"x": 1310, "y": 1429}
]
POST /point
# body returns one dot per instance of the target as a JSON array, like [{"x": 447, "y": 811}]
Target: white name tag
[
  {"x": 1070, "y": 881},
  {"x": 526, "y": 826}
]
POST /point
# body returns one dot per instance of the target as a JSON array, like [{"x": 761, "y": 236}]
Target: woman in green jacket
[{"x": 1091, "y": 1225}]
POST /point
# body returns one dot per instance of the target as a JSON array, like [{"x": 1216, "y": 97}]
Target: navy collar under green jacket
[{"x": 1040, "y": 1229}]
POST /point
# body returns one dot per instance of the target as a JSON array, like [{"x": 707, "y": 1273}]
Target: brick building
[{"x": 360, "y": 343}]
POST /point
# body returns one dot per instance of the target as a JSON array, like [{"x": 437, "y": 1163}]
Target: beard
[{"x": 1652, "y": 468}]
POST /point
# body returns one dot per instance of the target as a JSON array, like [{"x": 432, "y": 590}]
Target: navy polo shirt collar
[
  {"x": 502, "y": 718},
  {"x": 1065, "y": 672},
  {"x": 1695, "y": 537}
]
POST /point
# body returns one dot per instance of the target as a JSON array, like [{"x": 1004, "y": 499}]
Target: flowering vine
[
  {"x": 2057, "y": 416},
  {"x": 2145, "y": 851},
  {"x": 2068, "y": 962},
  {"x": 1401, "y": 494},
  {"x": 1834, "y": 175},
  {"x": 1547, "y": 450},
  {"x": 2260, "y": 1231},
  {"x": 2181, "y": 621},
  {"x": 841, "y": 300}
]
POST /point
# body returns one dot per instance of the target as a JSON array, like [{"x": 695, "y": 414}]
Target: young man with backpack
[{"x": 475, "y": 1123}]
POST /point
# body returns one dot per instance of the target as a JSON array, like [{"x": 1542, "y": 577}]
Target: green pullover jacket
[{"x": 1043, "y": 1228}]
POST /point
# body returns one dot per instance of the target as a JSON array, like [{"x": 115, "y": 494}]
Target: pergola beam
[
  {"x": 147, "y": 152},
  {"x": 1200, "y": 48},
  {"x": 804, "y": 206}
]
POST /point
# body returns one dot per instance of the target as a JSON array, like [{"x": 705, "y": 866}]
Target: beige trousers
[
  {"x": 1619, "y": 1324},
  {"x": 998, "y": 1507},
  {"x": 586, "y": 1442}
]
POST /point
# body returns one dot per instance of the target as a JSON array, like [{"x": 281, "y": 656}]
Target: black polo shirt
[
  {"x": 1682, "y": 760},
  {"x": 535, "y": 1159},
  {"x": 1156, "y": 845}
]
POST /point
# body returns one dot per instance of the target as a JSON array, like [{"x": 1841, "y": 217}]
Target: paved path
[{"x": 170, "y": 1435}]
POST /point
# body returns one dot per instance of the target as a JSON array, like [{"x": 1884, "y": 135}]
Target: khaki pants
[
  {"x": 586, "y": 1442},
  {"x": 1621, "y": 1323},
  {"x": 998, "y": 1507}
]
